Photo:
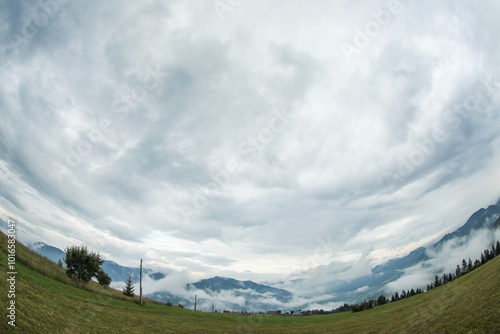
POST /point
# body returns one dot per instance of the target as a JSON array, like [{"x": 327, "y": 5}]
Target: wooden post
[
  {"x": 140, "y": 286},
  {"x": 195, "y": 302}
]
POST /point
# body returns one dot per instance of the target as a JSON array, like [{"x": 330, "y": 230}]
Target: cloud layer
[{"x": 234, "y": 140}]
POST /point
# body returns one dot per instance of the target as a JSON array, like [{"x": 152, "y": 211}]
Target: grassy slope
[{"x": 54, "y": 304}]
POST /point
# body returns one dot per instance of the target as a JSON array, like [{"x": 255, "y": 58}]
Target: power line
[
  {"x": 34, "y": 194},
  {"x": 30, "y": 189},
  {"x": 26, "y": 169}
]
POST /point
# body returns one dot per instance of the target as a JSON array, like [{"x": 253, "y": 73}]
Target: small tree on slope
[{"x": 128, "y": 290}]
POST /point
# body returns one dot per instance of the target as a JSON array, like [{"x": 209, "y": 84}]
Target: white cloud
[{"x": 363, "y": 289}]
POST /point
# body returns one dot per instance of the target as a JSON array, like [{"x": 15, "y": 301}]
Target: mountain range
[
  {"x": 481, "y": 219},
  {"x": 231, "y": 294},
  {"x": 327, "y": 284},
  {"x": 218, "y": 284},
  {"x": 117, "y": 272}
]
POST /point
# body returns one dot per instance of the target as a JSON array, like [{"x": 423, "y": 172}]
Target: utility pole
[
  {"x": 140, "y": 286},
  {"x": 195, "y": 302}
]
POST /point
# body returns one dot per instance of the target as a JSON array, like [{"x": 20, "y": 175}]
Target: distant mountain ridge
[
  {"x": 117, "y": 272},
  {"x": 230, "y": 294},
  {"x": 372, "y": 285},
  {"x": 483, "y": 218},
  {"x": 218, "y": 284}
]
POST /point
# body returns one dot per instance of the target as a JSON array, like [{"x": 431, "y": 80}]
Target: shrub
[{"x": 103, "y": 278}]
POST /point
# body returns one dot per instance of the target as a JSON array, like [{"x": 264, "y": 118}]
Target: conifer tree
[
  {"x": 458, "y": 271},
  {"x": 128, "y": 290},
  {"x": 381, "y": 300},
  {"x": 469, "y": 265},
  {"x": 497, "y": 250},
  {"x": 486, "y": 255},
  {"x": 437, "y": 281},
  {"x": 464, "y": 266}
]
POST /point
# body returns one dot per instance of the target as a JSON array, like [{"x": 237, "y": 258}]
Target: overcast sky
[{"x": 248, "y": 138}]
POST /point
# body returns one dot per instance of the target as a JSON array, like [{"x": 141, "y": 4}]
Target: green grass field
[{"x": 48, "y": 302}]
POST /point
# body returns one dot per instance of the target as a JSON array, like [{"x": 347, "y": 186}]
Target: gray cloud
[{"x": 131, "y": 119}]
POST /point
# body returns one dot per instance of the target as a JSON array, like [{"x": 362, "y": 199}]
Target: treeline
[
  {"x": 340, "y": 309},
  {"x": 369, "y": 304},
  {"x": 462, "y": 269},
  {"x": 466, "y": 267}
]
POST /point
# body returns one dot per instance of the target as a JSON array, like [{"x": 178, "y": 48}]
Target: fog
[{"x": 445, "y": 260}]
